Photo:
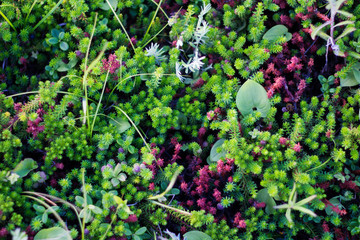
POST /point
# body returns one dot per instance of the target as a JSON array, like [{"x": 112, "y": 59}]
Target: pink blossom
[
  {"x": 283, "y": 141},
  {"x": 297, "y": 147},
  {"x": 111, "y": 65}
]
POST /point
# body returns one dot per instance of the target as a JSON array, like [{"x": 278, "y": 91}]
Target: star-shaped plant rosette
[{"x": 292, "y": 204}]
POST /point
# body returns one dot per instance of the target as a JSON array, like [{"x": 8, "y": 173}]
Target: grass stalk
[
  {"x": 47, "y": 15},
  {"x": 122, "y": 26},
  {"x": 98, "y": 106},
  {"x": 57, "y": 216},
  {"x": 7, "y": 20},
  {"x": 153, "y": 19},
  {"x": 32, "y": 6}
]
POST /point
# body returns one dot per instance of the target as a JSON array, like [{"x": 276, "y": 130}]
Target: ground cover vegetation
[{"x": 186, "y": 119}]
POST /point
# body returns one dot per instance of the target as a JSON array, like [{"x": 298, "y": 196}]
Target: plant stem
[
  {"x": 171, "y": 208},
  {"x": 98, "y": 106},
  {"x": 57, "y": 216},
  {"x": 85, "y": 205},
  {"x": 170, "y": 186},
  {"x": 47, "y": 15},
  {"x": 319, "y": 165},
  {"x": 155, "y": 35},
  {"x": 112, "y": 221},
  {"x": 135, "y": 75},
  {"x": 147, "y": 145},
  {"x": 86, "y": 113},
  {"x": 7, "y": 20},
  {"x": 122, "y": 26},
  {"x": 152, "y": 20}
]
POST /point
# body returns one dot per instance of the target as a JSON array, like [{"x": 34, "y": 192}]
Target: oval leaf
[
  {"x": 252, "y": 95},
  {"x": 214, "y": 154},
  {"x": 197, "y": 235},
  {"x": 275, "y": 32},
  {"x": 54, "y": 233},
  {"x": 39, "y": 208},
  {"x": 25, "y": 166},
  {"x": 44, "y": 218},
  {"x": 61, "y": 35},
  {"x": 62, "y": 67},
  {"x": 140, "y": 231},
  {"x": 53, "y": 40},
  {"x": 105, "y": 5},
  {"x": 55, "y": 32},
  {"x": 64, "y": 46},
  {"x": 121, "y": 124},
  {"x": 96, "y": 209}
]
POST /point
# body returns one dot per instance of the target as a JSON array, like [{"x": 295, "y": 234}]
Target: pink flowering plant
[{"x": 161, "y": 119}]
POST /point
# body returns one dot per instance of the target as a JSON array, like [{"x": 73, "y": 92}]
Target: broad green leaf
[
  {"x": 196, "y": 235},
  {"x": 175, "y": 191},
  {"x": 216, "y": 154},
  {"x": 250, "y": 96},
  {"x": 54, "y": 233},
  {"x": 25, "y": 166},
  {"x": 352, "y": 78},
  {"x": 121, "y": 124},
  {"x": 115, "y": 182},
  {"x": 275, "y": 32},
  {"x": 123, "y": 206},
  {"x": 136, "y": 237},
  {"x": 62, "y": 67},
  {"x": 140, "y": 231},
  {"x": 105, "y": 5},
  {"x": 128, "y": 232},
  {"x": 53, "y": 40},
  {"x": 39, "y": 208},
  {"x": 334, "y": 201},
  {"x": 44, "y": 218},
  {"x": 95, "y": 209},
  {"x": 263, "y": 196},
  {"x": 55, "y": 32},
  {"x": 117, "y": 169},
  {"x": 81, "y": 201},
  {"x": 72, "y": 63},
  {"x": 340, "y": 177},
  {"x": 86, "y": 213},
  {"x": 64, "y": 46},
  {"x": 104, "y": 21},
  {"x": 122, "y": 177},
  {"x": 131, "y": 149},
  {"x": 288, "y": 36},
  {"x": 118, "y": 200}
]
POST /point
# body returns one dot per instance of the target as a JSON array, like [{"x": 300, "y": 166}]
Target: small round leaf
[{"x": 64, "y": 46}]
